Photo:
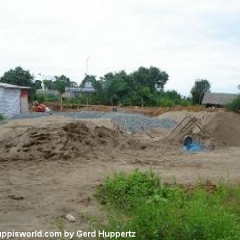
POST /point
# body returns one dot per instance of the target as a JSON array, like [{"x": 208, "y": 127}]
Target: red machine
[{"x": 39, "y": 108}]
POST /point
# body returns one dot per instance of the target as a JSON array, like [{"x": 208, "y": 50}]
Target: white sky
[{"x": 188, "y": 39}]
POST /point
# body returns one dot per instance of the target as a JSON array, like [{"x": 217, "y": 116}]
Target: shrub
[
  {"x": 73, "y": 100},
  {"x": 234, "y": 106},
  {"x": 40, "y": 98},
  {"x": 159, "y": 211},
  {"x": 166, "y": 102},
  {"x": 47, "y": 97},
  {"x": 1, "y": 117},
  {"x": 185, "y": 103},
  {"x": 123, "y": 190}
]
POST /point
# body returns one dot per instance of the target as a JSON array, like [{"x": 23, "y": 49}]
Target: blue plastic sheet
[{"x": 194, "y": 147}]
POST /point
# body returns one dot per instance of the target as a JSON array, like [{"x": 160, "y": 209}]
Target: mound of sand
[
  {"x": 225, "y": 127},
  {"x": 220, "y": 128},
  {"x": 72, "y": 140},
  {"x": 179, "y": 115}
]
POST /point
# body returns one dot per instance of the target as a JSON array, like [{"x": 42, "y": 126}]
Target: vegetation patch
[
  {"x": 234, "y": 106},
  {"x": 140, "y": 202},
  {"x": 47, "y": 97},
  {"x": 1, "y": 117}
]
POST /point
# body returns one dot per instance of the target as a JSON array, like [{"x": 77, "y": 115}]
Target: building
[
  {"x": 73, "y": 91},
  {"x": 13, "y": 99},
  {"x": 70, "y": 92},
  {"x": 46, "y": 91},
  {"x": 218, "y": 99}
]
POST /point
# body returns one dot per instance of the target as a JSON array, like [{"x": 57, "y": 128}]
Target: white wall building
[{"x": 13, "y": 99}]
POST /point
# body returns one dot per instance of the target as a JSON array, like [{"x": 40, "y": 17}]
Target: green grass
[{"x": 140, "y": 202}]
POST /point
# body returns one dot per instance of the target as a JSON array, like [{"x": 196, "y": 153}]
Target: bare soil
[
  {"x": 150, "y": 111},
  {"x": 50, "y": 166}
]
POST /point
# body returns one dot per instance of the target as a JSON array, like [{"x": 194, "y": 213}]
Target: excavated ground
[{"x": 51, "y": 165}]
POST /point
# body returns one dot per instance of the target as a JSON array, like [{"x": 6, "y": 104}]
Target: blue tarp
[{"x": 194, "y": 147}]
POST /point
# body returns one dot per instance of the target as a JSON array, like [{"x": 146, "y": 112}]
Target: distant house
[
  {"x": 46, "y": 91},
  {"x": 218, "y": 99},
  {"x": 13, "y": 99},
  {"x": 72, "y": 91}
]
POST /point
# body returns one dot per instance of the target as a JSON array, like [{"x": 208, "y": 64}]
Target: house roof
[
  {"x": 80, "y": 89},
  {"x": 218, "y": 98},
  {"x": 6, "y": 85}
]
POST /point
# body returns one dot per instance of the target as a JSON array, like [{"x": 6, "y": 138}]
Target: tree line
[{"x": 143, "y": 87}]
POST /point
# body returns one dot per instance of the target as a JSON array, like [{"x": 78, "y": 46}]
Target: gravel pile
[
  {"x": 131, "y": 122},
  {"x": 135, "y": 122}
]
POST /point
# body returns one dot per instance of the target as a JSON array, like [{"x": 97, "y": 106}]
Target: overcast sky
[{"x": 188, "y": 39}]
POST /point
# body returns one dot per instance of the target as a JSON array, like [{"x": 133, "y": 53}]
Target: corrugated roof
[
  {"x": 218, "y": 98},
  {"x": 6, "y": 85}
]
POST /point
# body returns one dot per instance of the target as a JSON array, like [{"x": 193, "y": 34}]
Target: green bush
[
  {"x": 166, "y": 102},
  {"x": 185, "y": 103},
  {"x": 234, "y": 106},
  {"x": 47, "y": 97},
  {"x": 41, "y": 98},
  {"x": 121, "y": 189},
  {"x": 1, "y": 117},
  {"x": 159, "y": 211},
  {"x": 73, "y": 100}
]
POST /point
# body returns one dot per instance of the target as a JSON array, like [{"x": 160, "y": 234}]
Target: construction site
[{"x": 51, "y": 162}]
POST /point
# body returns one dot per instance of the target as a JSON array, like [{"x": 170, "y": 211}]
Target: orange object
[{"x": 40, "y": 108}]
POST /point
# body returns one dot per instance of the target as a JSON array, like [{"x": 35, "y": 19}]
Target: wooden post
[{"x": 61, "y": 103}]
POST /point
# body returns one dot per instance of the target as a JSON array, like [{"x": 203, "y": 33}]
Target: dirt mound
[
  {"x": 216, "y": 129},
  {"x": 225, "y": 127},
  {"x": 220, "y": 129},
  {"x": 72, "y": 140},
  {"x": 179, "y": 115}
]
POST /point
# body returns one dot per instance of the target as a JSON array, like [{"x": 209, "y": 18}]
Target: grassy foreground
[{"x": 140, "y": 202}]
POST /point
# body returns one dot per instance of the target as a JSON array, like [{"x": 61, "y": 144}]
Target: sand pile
[
  {"x": 225, "y": 127},
  {"x": 219, "y": 128},
  {"x": 72, "y": 140},
  {"x": 179, "y": 115}
]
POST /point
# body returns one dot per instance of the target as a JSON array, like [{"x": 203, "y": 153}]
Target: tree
[
  {"x": 73, "y": 84},
  {"x": 234, "y": 106},
  {"x": 61, "y": 83},
  {"x": 135, "y": 88},
  {"x": 38, "y": 84},
  {"x": 97, "y": 85},
  {"x": 144, "y": 93},
  {"x": 20, "y": 77},
  {"x": 48, "y": 84},
  {"x": 114, "y": 87},
  {"x": 201, "y": 86},
  {"x": 88, "y": 78},
  {"x": 174, "y": 96},
  {"x": 152, "y": 78}
]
